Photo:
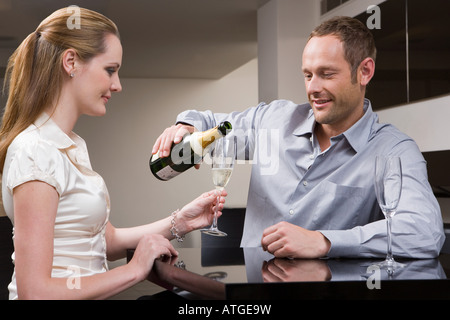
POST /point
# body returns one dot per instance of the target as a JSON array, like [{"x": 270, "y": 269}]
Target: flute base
[
  {"x": 214, "y": 232},
  {"x": 390, "y": 265}
]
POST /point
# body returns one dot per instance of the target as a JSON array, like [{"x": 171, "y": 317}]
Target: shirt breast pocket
[{"x": 339, "y": 207}]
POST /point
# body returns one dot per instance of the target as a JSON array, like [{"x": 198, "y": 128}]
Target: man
[{"x": 318, "y": 198}]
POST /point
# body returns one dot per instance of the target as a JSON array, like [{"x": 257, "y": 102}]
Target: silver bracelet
[{"x": 174, "y": 230}]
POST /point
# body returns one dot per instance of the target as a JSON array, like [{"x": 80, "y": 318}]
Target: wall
[
  {"x": 427, "y": 123},
  {"x": 120, "y": 143},
  {"x": 283, "y": 30},
  {"x": 424, "y": 121}
]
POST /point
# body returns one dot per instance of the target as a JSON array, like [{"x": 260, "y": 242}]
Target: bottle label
[{"x": 167, "y": 173}]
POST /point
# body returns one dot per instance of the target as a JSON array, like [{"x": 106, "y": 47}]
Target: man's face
[{"x": 335, "y": 100}]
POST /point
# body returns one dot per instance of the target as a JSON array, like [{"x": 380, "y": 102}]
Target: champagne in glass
[
  {"x": 223, "y": 156},
  {"x": 221, "y": 176}
]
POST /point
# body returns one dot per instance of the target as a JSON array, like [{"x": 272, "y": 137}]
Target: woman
[{"x": 58, "y": 205}]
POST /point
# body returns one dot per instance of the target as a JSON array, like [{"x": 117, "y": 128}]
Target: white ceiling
[{"x": 161, "y": 38}]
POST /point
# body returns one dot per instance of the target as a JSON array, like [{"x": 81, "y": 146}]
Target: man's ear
[{"x": 366, "y": 70}]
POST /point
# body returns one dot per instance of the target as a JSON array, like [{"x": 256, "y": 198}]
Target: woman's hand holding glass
[{"x": 200, "y": 212}]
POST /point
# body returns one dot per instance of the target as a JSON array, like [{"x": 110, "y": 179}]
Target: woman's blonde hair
[{"x": 35, "y": 74}]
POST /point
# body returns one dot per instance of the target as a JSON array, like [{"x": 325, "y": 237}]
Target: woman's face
[{"x": 98, "y": 78}]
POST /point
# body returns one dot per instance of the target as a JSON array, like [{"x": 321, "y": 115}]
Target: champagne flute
[
  {"x": 223, "y": 156},
  {"x": 388, "y": 188}
]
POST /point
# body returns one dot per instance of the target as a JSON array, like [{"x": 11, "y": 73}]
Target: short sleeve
[{"x": 35, "y": 160}]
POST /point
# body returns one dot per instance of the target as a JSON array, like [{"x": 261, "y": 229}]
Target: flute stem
[
  {"x": 214, "y": 224},
  {"x": 389, "y": 257}
]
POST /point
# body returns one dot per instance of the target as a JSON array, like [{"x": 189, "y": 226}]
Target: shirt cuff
[{"x": 344, "y": 243}]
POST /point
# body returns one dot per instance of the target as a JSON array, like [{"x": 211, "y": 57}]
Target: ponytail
[{"x": 19, "y": 111}]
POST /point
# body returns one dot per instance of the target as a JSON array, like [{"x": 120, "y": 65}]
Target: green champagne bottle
[{"x": 189, "y": 152}]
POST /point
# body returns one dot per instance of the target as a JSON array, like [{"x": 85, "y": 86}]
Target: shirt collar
[
  {"x": 307, "y": 126},
  {"x": 357, "y": 135},
  {"x": 50, "y": 131}
]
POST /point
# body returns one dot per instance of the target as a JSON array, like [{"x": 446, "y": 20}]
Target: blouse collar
[{"x": 52, "y": 132}]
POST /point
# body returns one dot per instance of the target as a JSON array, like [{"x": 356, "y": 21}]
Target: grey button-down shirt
[{"x": 331, "y": 191}]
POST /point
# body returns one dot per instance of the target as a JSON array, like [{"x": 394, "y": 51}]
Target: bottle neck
[
  {"x": 209, "y": 136},
  {"x": 201, "y": 140}
]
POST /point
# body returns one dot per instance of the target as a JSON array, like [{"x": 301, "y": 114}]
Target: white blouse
[{"x": 44, "y": 152}]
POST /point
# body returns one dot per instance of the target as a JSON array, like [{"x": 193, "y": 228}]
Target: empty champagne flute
[
  {"x": 388, "y": 188},
  {"x": 223, "y": 157}
]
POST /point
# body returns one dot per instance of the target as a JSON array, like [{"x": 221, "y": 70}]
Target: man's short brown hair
[{"x": 356, "y": 38}]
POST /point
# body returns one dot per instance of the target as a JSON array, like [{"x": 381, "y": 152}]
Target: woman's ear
[
  {"x": 367, "y": 70},
  {"x": 68, "y": 61}
]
